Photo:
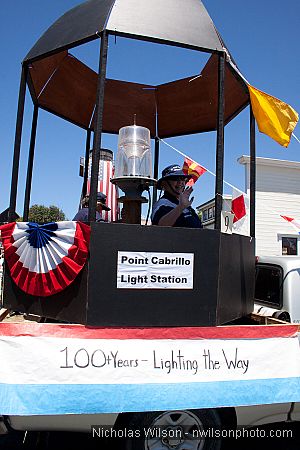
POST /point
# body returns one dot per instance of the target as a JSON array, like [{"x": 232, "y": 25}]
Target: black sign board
[{"x": 222, "y": 280}]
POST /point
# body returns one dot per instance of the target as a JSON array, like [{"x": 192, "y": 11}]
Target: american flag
[{"x": 106, "y": 172}]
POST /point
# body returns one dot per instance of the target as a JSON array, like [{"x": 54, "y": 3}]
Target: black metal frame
[
  {"x": 86, "y": 163},
  {"x": 155, "y": 170},
  {"x": 98, "y": 136},
  {"x": 220, "y": 143},
  {"x": 17, "y": 145},
  {"x": 98, "y": 126},
  {"x": 30, "y": 162}
]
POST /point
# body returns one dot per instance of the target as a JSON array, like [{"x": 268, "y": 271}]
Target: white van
[{"x": 277, "y": 287}]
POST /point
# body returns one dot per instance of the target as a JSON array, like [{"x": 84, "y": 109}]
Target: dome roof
[
  {"x": 61, "y": 84},
  {"x": 183, "y": 23}
]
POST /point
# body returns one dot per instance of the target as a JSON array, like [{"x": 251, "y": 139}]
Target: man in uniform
[
  {"x": 174, "y": 209},
  {"x": 83, "y": 213}
]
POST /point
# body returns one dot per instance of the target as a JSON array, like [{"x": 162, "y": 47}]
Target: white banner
[
  {"x": 155, "y": 270},
  {"x": 77, "y": 361},
  {"x": 94, "y": 370}
]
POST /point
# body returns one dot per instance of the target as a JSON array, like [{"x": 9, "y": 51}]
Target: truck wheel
[
  {"x": 171, "y": 430},
  {"x": 13, "y": 440}
]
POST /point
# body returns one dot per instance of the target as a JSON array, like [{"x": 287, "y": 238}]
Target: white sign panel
[
  {"x": 226, "y": 222},
  {"x": 155, "y": 270}
]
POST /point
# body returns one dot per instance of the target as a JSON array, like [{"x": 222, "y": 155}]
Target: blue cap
[{"x": 172, "y": 171}]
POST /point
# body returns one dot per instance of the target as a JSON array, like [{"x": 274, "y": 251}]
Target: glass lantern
[{"x": 134, "y": 153}]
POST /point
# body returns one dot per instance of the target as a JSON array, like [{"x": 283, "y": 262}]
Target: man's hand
[{"x": 184, "y": 200}]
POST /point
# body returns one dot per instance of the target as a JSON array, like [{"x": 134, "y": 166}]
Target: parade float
[{"x": 139, "y": 307}]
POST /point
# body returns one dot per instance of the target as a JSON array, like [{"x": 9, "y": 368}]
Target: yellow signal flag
[
  {"x": 274, "y": 117},
  {"x": 193, "y": 169}
]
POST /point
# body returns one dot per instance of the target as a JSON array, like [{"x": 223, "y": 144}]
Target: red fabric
[
  {"x": 193, "y": 169},
  {"x": 289, "y": 219},
  {"x": 238, "y": 208},
  {"x": 81, "y": 332},
  {"x": 6, "y": 232},
  {"x": 106, "y": 172},
  {"x": 54, "y": 281}
]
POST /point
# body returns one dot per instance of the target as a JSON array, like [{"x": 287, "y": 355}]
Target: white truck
[{"x": 277, "y": 287}]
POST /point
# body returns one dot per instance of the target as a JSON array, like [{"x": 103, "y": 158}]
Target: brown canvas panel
[
  {"x": 125, "y": 101},
  {"x": 186, "y": 106},
  {"x": 236, "y": 94},
  {"x": 41, "y": 71},
  {"x": 71, "y": 92},
  {"x": 66, "y": 87}
]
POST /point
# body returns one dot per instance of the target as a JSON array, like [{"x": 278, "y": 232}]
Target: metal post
[
  {"x": 86, "y": 163},
  {"x": 220, "y": 143},
  {"x": 155, "y": 174},
  {"x": 30, "y": 163},
  {"x": 98, "y": 126},
  {"x": 252, "y": 173},
  {"x": 17, "y": 145}
]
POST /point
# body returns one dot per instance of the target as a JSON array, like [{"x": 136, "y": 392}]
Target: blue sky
[{"x": 262, "y": 36}]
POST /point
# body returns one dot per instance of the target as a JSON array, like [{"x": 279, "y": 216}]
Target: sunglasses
[{"x": 178, "y": 179}]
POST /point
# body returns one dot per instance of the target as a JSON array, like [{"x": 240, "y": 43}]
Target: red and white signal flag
[
  {"x": 239, "y": 208},
  {"x": 294, "y": 222}
]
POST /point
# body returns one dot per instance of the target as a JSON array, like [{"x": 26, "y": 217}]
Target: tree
[{"x": 45, "y": 214}]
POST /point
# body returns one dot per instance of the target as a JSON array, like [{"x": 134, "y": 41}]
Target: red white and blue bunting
[{"x": 45, "y": 259}]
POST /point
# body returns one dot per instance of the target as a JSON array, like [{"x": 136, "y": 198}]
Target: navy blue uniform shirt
[
  {"x": 83, "y": 215},
  {"x": 188, "y": 218}
]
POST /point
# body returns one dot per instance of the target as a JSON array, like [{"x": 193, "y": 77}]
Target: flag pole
[{"x": 252, "y": 173}]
